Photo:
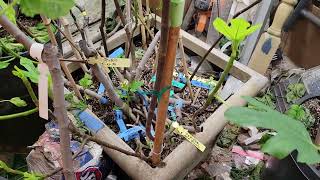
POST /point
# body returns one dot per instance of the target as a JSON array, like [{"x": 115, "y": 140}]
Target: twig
[
  {"x": 147, "y": 55},
  {"x": 103, "y": 20},
  {"x": 27, "y": 31},
  {"x": 139, "y": 112},
  {"x": 77, "y": 25},
  {"x": 114, "y": 30},
  {"x": 73, "y": 60},
  {"x": 119, "y": 12},
  {"x": 196, "y": 96},
  {"x": 145, "y": 25},
  {"x": 68, "y": 37},
  {"x": 185, "y": 67},
  {"x": 105, "y": 144}
]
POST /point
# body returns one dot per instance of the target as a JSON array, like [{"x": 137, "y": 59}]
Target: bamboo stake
[{"x": 176, "y": 13}]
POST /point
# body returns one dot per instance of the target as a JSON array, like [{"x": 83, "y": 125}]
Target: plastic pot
[
  {"x": 289, "y": 169},
  {"x": 17, "y": 133}
]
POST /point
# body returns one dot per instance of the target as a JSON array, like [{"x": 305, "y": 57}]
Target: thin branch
[
  {"x": 105, "y": 144},
  {"x": 68, "y": 38},
  {"x": 147, "y": 55},
  {"x": 103, "y": 20},
  {"x": 124, "y": 23},
  {"x": 27, "y": 31}
]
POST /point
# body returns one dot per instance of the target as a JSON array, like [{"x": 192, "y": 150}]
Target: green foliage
[
  {"x": 10, "y": 43},
  {"x": 86, "y": 81},
  {"x": 40, "y": 32},
  {"x": 291, "y": 134},
  {"x": 295, "y": 91},
  {"x": 26, "y": 175},
  {"x": 139, "y": 53},
  {"x": 51, "y": 8},
  {"x": 130, "y": 89},
  {"x": 6, "y": 63},
  {"x": 237, "y": 31},
  {"x": 32, "y": 72},
  {"x": 302, "y": 114},
  {"x": 8, "y": 10},
  {"x": 80, "y": 105},
  {"x": 267, "y": 99},
  {"x": 18, "y": 102}
]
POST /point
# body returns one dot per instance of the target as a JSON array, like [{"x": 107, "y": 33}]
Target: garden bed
[{"x": 185, "y": 156}]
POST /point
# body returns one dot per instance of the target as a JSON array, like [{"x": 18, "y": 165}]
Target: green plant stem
[
  {"x": 16, "y": 115},
  {"x": 27, "y": 84},
  {"x": 216, "y": 88}
]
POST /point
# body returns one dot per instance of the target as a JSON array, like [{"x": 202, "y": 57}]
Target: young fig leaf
[
  {"x": 238, "y": 30},
  {"x": 8, "y": 11},
  {"x": 53, "y": 9}
]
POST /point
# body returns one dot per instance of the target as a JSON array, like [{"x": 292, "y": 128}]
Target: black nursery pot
[
  {"x": 289, "y": 169},
  {"x": 17, "y": 133}
]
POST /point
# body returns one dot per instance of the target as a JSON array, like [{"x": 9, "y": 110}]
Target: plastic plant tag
[
  {"x": 119, "y": 120},
  {"x": 43, "y": 90},
  {"x": 115, "y": 54},
  {"x": 174, "y": 82},
  {"x": 110, "y": 62},
  {"x": 183, "y": 132}
]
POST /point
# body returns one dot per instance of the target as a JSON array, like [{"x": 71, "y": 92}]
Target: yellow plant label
[
  {"x": 183, "y": 132},
  {"x": 110, "y": 62}
]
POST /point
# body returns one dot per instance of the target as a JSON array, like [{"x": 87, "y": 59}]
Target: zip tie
[
  {"x": 159, "y": 152},
  {"x": 36, "y": 51}
]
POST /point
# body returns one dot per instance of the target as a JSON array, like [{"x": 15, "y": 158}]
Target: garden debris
[
  {"x": 228, "y": 136},
  {"x": 46, "y": 157},
  {"x": 248, "y": 157}
]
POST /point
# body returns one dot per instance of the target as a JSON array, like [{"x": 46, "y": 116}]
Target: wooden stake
[{"x": 176, "y": 13}]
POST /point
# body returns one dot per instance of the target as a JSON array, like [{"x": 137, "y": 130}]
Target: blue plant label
[
  {"x": 94, "y": 124},
  {"x": 131, "y": 133},
  {"x": 119, "y": 120}
]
